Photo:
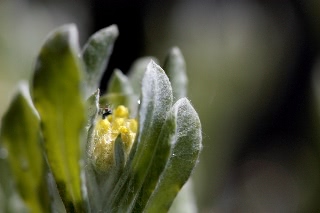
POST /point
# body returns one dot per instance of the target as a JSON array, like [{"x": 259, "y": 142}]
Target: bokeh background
[{"x": 254, "y": 78}]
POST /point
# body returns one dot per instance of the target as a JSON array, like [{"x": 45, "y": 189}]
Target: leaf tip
[
  {"x": 111, "y": 32},
  {"x": 175, "y": 51},
  {"x": 70, "y": 33},
  {"x": 113, "y": 29},
  {"x": 153, "y": 66}
]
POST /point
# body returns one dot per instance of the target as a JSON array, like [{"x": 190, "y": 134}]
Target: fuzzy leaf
[
  {"x": 156, "y": 100},
  {"x": 116, "y": 170},
  {"x": 137, "y": 71},
  {"x": 59, "y": 101},
  {"x": 93, "y": 107},
  {"x": 185, "y": 149},
  {"x": 175, "y": 68},
  {"x": 91, "y": 184},
  {"x": 158, "y": 162},
  {"x": 96, "y": 54},
  {"x": 20, "y": 134}
]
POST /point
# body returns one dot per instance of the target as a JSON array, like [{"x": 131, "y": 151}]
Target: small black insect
[{"x": 105, "y": 111}]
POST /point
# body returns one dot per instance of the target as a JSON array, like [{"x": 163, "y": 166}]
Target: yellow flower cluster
[{"x": 105, "y": 133}]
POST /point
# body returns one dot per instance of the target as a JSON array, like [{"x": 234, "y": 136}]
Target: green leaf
[
  {"x": 158, "y": 162},
  {"x": 92, "y": 105},
  {"x": 184, "y": 153},
  {"x": 59, "y": 101},
  {"x": 175, "y": 68},
  {"x": 20, "y": 135},
  {"x": 116, "y": 170},
  {"x": 96, "y": 54},
  {"x": 91, "y": 185},
  {"x": 137, "y": 71},
  {"x": 156, "y": 100}
]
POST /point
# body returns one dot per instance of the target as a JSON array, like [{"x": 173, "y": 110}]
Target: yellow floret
[
  {"x": 102, "y": 126},
  {"x": 121, "y": 112},
  {"x": 105, "y": 133}
]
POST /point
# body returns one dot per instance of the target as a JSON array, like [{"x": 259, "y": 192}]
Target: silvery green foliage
[{"x": 47, "y": 136}]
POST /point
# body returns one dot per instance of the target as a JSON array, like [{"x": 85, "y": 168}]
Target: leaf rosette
[{"x": 133, "y": 158}]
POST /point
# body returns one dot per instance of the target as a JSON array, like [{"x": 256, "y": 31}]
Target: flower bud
[{"x": 105, "y": 133}]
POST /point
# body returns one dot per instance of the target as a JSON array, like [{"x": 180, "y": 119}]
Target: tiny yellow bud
[
  {"x": 102, "y": 127},
  {"x": 121, "y": 112}
]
